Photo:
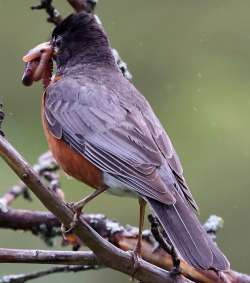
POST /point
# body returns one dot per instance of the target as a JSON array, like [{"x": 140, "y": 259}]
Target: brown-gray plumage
[{"x": 102, "y": 116}]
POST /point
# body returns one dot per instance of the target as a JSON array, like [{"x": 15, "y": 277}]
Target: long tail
[{"x": 188, "y": 236}]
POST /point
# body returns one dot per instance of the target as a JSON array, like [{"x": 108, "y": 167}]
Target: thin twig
[
  {"x": 48, "y": 169},
  {"x": 53, "y": 13},
  {"x": 12, "y": 194},
  {"x": 122, "y": 65},
  {"x": 212, "y": 225},
  {"x": 48, "y": 257},
  {"x": 21, "y": 278},
  {"x": 1, "y": 119}
]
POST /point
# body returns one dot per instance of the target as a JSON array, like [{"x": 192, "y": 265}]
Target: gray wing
[
  {"x": 166, "y": 147},
  {"x": 124, "y": 140}
]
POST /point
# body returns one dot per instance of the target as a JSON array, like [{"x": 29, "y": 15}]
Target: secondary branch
[{"x": 106, "y": 252}]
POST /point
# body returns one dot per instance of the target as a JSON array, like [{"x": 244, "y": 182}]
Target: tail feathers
[
  {"x": 188, "y": 236},
  {"x": 219, "y": 260}
]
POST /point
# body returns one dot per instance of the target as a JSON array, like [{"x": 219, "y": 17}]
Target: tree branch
[
  {"x": 124, "y": 238},
  {"x": 1, "y": 119},
  {"x": 48, "y": 257},
  {"x": 53, "y": 13},
  {"x": 47, "y": 226},
  {"x": 21, "y": 278},
  {"x": 12, "y": 194},
  {"x": 106, "y": 252},
  {"x": 47, "y": 168}
]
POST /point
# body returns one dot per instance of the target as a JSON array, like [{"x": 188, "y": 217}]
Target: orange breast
[{"x": 73, "y": 163}]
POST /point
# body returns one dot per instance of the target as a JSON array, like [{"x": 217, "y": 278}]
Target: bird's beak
[
  {"x": 38, "y": 60},
  {"x": 36, "y": 52}
]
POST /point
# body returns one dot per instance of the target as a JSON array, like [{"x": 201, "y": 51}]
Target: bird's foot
[
  {"x": 136, "y": 256},
  {"x": 77, "y": 212}
]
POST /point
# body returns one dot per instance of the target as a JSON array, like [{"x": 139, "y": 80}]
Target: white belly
[{"x": 117, "y": 188}]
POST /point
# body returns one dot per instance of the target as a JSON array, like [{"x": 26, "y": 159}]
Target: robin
[{"x": 103, "y": 132}]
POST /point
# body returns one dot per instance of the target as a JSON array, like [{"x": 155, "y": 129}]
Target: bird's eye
[{"x": 57, "y": 42}]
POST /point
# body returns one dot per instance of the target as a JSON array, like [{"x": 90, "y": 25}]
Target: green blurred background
[{"x": 191, "y": 60}]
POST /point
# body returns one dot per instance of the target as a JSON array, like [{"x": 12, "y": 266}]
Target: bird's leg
[
  {"x": 137, "y": 251},
  {"x": 77, "y": 207},
  {"x": 142, "y": 204}
]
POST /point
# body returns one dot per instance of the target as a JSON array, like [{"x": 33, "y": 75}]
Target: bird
[{"x": 104, "y": 133}]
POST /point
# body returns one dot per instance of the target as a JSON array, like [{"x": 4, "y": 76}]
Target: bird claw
[
  {"x": 64, "y": 230},
  {"x": 77, "y": 212},
  {"x": 71, "y": 205},
  {"x": 77, "y": 209},
  {"x": 135, "y": 261}
]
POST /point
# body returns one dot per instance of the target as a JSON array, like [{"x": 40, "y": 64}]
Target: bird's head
[
  {"x": 80, "y": 39},
  {"x": 77, "y": 40}
]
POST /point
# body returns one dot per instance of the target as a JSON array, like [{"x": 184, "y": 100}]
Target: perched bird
[{"x": 103, "y": 132}]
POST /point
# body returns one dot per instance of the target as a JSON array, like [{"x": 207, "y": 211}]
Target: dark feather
[{"x": 188, "y": 236}]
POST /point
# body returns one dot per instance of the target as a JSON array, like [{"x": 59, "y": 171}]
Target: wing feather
[{"x": 128, "y": 143}]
